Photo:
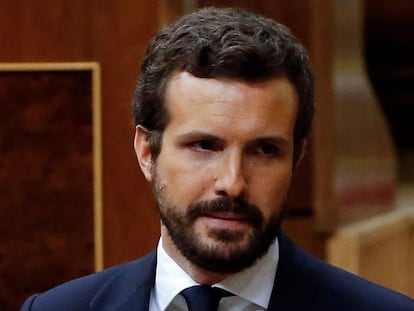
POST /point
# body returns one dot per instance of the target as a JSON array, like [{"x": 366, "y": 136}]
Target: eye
[
  {"x": 205, "y": 145},
  {"x": 267, "y": 149}
]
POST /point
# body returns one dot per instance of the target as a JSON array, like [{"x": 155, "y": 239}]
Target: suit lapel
[
  {"x": 129, "y": 289},
  {"x": 289, "y": 281}
]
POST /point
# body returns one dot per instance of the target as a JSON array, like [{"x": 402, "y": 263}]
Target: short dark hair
[{"x": 221, "y": 43}]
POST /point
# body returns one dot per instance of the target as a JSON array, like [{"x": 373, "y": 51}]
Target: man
[{"x": 222, "y": 110}]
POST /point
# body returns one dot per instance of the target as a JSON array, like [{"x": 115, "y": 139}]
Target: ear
[
  {"x": 300, "y": 153},
  {"x": 143, "y": 151}
]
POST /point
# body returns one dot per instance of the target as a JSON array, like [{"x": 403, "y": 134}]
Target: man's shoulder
[
  {"x": 321, "y": 286},
  {"x": 79, "y": 293},
  {"x": 343, "y": 288}
]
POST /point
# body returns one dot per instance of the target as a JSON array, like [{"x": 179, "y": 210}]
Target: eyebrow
[
  {"x": 194, "y": 135},
  {"x": 277, "y": 140}
]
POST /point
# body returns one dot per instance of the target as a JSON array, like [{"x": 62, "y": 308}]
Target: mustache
[{"x": 237, "y": 206}]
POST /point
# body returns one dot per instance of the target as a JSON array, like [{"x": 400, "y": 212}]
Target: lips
[
  {"x": 226, "y": 221},
  {"x": 230, "y": 216}
]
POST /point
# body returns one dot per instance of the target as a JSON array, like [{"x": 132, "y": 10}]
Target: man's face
[{"x": 224, "y": 168}]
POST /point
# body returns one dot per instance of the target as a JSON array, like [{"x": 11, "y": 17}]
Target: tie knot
[{"x": 203, "y": 297}]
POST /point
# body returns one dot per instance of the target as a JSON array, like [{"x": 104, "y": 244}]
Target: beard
[{"x": 225, "y": 250}]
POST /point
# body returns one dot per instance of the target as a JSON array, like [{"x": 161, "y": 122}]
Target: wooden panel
[
  {"x": 50, "y": 204},
  {"x": 380, "y": 249},
  {"x": 121, "y": 31},
  {"x": 113, "y": 33},
  {"x": 387, "y": 260},
  {"x": 45, "y": 31}
]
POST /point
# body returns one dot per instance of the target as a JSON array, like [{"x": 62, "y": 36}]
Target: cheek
[
  {"x": 270, "y": 192},
  {"x": 186, "y": 184}
]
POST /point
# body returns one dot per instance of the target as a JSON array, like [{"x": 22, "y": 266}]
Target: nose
[{"x": 230, "y": 179}]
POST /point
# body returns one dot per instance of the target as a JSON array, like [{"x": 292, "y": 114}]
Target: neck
[{"x": 198, "y": 274}]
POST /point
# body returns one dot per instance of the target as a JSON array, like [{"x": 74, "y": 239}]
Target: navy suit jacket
[{"x": 302, "y": 283}]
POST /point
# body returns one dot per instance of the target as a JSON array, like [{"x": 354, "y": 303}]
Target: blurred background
[{"x": 72, "y": 198}]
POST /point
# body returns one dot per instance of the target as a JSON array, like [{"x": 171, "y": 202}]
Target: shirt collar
[
  {"x": 253, "y": 284},
  {"x": 170, "y": 278}
]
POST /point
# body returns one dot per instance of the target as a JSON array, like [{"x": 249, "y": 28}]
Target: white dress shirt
[{"x": 251, "y": 287}]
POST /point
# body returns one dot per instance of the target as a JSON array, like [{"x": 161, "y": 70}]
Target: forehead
[{"x": 224, "y": 103}]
